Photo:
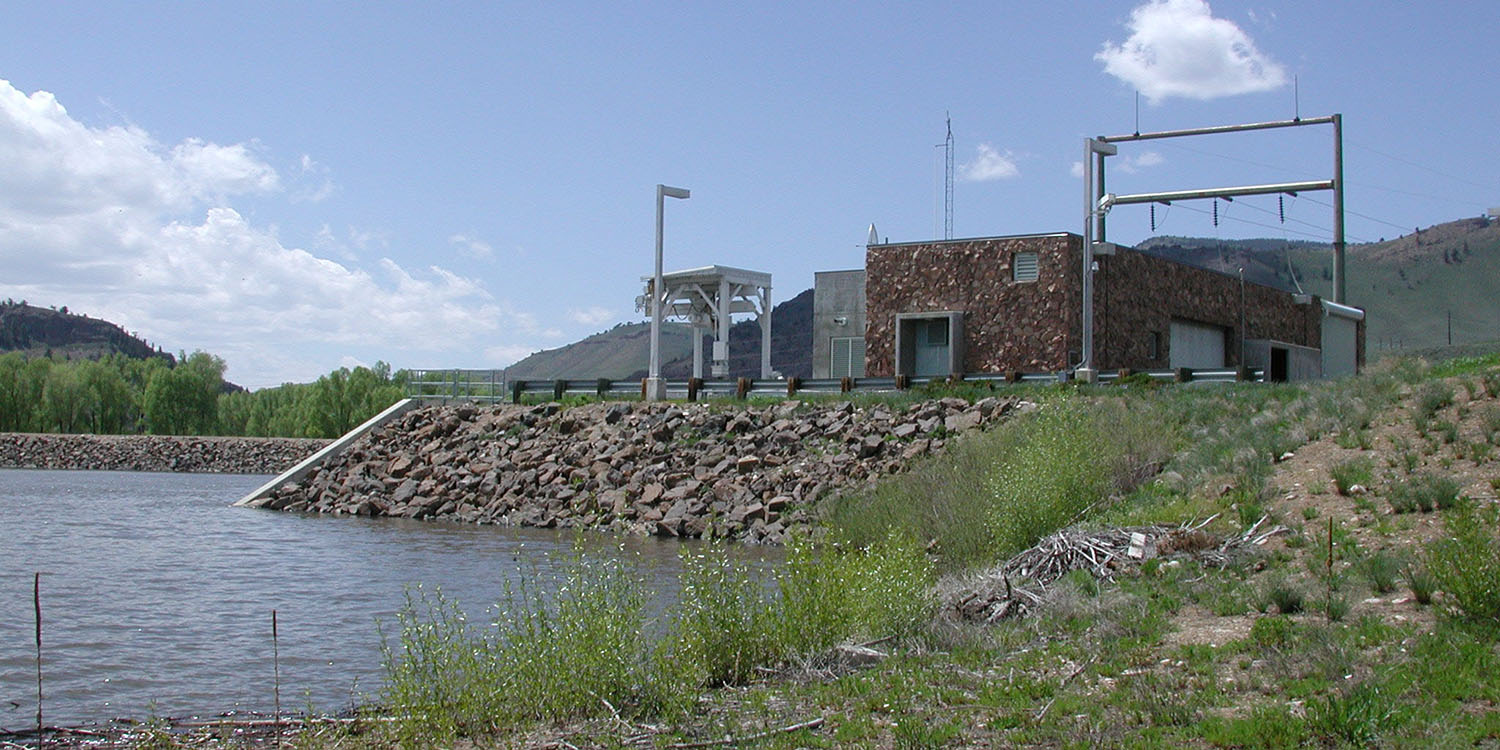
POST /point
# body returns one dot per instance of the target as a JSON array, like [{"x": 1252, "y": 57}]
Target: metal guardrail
[{"x": 490, "y": 386}]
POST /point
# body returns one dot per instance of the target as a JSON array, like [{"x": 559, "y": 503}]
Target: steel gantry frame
[
  {"x": 1098, "y": 202},
  {"x": 706, "y": 298}
]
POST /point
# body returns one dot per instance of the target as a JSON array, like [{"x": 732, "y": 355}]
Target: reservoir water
[{"x": 157, "y": 596}]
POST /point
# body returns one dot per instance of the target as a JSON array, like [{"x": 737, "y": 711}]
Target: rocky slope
[
  {"x": 215, "y": 455},
  {"x": 692, "y": 470}
]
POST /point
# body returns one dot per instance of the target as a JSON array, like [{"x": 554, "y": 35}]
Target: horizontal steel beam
[
  {"x": 1225, "y": 192},
  {"x": 1216, "y": 129}
]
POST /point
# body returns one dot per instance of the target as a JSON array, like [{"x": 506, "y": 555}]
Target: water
[{"x": 157, "y": 596}]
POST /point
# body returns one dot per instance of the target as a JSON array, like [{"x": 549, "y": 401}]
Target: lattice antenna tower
[{"x": 948, "y": 181}]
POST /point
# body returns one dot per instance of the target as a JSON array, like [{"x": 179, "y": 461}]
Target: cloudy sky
[{"x": 299, "y": 186}]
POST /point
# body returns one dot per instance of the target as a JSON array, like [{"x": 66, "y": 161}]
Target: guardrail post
[
  {"x": 792, "y": 384},
  {"x": 693, "y": 385},
  {"x": 955, "y": 378},
  {"x": 1241, "y": 374},
  {"x": 1182, "y": 374},
  {"x": 903, "y": 382},
  {"x": 643, "y": 389},
  {"x": 516, "y": 387},
  {"x": 1014, "y": 376},
  {"x": 846, "y": 384},
  {"x": 559, "y": 387},
  {"x": 603, "y": 387},
  {"x": 742, "y": 388},
  {"x": 1123, "y": 373}
]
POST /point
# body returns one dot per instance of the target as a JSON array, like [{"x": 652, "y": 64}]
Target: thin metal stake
[
  {"x": 36, "y": 603},
  {"x": 276, "y": 673}
]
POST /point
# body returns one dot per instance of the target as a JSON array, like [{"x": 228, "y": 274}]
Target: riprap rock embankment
[
  {"x": 216, "y": 455},
  {"x": 692, "y": 470}
]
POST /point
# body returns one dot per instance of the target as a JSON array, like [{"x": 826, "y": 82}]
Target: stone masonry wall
[
  {"x": 1008, "y": 325},
  {"x": 1138, "y": 294},
  {"x": 1033, "y": 326}
]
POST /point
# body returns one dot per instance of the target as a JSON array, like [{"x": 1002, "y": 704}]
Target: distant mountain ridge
[{"x": 39, "y": 331}]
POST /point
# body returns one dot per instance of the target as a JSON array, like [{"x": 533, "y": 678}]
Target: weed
[
  {"x": 1432, "y": 397},
  {"x": 1356, "y": 717},
  {"x": 1359, "y": 470},
  {"x": 1310, "y": 512},
  {"x": 1272, "y": 632},
  {"x": 1448, "y": 431},
  {"x": 1336, "y": 608},
  {"x": 1420, "y": 582},
  {"x": 1382, "y": 571},
  {"x": 1285, "y": 596},
  {"x": 1423, "y": 492},
  {"x": 1491, "y": 382}
]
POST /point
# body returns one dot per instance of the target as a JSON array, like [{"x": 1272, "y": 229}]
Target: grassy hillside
[
  {"x": 1408, "y": 285},
  {"x": 617, "y": 353}
]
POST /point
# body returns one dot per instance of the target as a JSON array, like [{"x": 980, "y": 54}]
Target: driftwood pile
[{"x": 1016, "y": 587}]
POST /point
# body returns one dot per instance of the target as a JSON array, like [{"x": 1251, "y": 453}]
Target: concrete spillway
[{"x": 329, "y": 451}]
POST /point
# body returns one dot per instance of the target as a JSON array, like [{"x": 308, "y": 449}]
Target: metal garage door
[{"x": 1196, "y": 345}]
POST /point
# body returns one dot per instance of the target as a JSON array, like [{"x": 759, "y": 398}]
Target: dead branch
[{"x": 810, "y": 724}]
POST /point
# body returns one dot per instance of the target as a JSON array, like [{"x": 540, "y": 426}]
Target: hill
[
  {"x": 621, "y": 353},
  {"x": 40, "y": 331},
  {"x": 1409, "y": 286}
]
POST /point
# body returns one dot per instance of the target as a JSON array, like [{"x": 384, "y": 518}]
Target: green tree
[
  {"x": 184, "y": 400},
  {"x": 66, "y": 401}
]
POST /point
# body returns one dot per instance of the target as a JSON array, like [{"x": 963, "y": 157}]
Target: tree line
[{"x": 117, "y": 394}]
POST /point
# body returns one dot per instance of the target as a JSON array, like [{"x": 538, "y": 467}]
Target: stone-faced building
[{"x": 1007, "y": 304}]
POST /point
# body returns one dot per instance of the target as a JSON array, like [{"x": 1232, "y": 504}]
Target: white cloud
[
  {"x": 591, "y": 316},
  {"x": 1134, "y": 162},
  {"x": 314, "y": 184},
  {"x": 1177, "y": 48},
  {"x": 1075, "y": 170},
  {"x": 110, "y": 221},
  {"x": 989, "y": 164},
  {"x": 472, "y": 247}
]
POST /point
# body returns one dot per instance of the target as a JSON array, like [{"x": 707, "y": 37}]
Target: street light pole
[{"x": 656, "y": 388}]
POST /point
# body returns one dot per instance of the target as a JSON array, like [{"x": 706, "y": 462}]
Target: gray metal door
[{"x": 932, "y": 348}]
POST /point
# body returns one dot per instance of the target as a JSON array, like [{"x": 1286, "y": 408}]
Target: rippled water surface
[{"x": 157, "y": 596}]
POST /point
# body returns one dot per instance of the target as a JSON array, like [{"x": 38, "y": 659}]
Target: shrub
[
  {"x": 1336, "y": 608},
  {"x": 545, "y": 658},
  {"x": 1358, "y": 470},
  {"x": 1073, "y": 457},
  {"x": 724, "y": 623},
  {"x": 829, "y": 595},
  {"x": 1466, "y": 562}
]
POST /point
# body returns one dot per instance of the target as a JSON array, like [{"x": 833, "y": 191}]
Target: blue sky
[{"x": 301, "y": 186}]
